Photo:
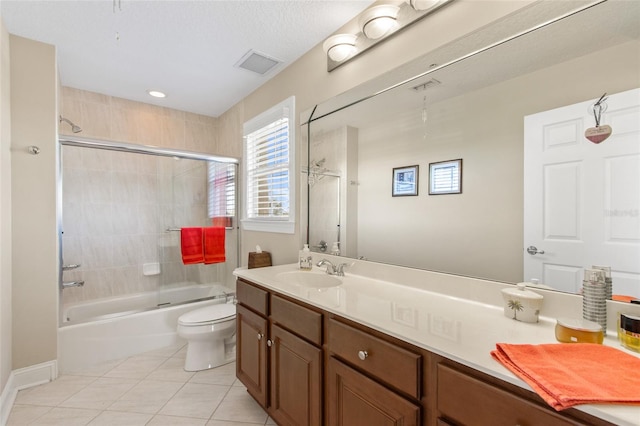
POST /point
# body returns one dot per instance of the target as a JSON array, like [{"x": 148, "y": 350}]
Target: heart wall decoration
[{"x": 598, "y": 134}]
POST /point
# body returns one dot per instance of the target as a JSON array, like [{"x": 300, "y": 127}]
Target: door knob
[
  {"x": 362, "y": 355},
  {"x": 534, "y": 250}
]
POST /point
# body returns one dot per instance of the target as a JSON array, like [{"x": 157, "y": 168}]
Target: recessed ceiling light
[{"x": 156, "y": 94}]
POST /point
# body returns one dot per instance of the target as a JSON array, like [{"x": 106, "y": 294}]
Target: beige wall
[
  {"x": 5, "y": 210},
  {"x": 309, "y": 81},
  {"x": 33, "y": 202}
]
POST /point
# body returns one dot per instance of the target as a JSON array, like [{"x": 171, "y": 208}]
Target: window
[
  {"x": 221, "y": 206},
  {"x": 269, "y": 199}
]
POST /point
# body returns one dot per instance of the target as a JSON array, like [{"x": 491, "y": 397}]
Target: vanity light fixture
[
  {"x": 156, "y": 94},
  {"x": 374, "y": 25},
  {"x": 339, "y": 47},
  {"x": 423, "y": 4},
  {"x": 379, "y": 21}
]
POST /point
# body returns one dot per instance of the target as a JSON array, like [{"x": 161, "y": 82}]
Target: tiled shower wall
[
  {"x": 117, "y": 206},
  {"x": 106, "y": 117}
]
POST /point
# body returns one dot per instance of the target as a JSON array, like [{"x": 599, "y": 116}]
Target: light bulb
[
  {"x": 340, "y": 46},
  {"x": 423, "y": 4},
  {"x": 377, "y": 21}
]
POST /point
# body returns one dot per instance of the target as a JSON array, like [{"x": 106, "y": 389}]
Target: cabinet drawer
[
  {"x": 252, "y": 297},
  {"x": 392, "y": 364},
  {"x": 298, "y": 319},
  {"x": 466, "y": 400}
]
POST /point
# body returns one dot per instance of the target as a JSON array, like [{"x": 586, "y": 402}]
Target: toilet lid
[{"x": 213, "y": 313}]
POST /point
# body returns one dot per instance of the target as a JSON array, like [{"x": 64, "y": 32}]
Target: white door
[{"x": 582, "y": 200}]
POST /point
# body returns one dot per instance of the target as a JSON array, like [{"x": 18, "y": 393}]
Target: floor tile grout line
[
  {"x": 218, "y": 381},
  {"x": 219, "y": 404}
]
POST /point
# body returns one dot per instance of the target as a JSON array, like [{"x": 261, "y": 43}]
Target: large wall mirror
[{"x": 513, "y": 102}]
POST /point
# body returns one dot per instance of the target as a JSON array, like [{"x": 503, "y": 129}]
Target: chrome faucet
[{"x": 333, "y": 269}]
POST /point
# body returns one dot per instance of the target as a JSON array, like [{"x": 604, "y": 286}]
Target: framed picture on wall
[
  {"x": 405, "y": 181},
  {"x": 445, "y": 177}
]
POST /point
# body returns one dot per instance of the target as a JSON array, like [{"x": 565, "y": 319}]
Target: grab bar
[
  {"x": 68, "y": 284},
  {"x": 70, "y": 267},
  {"x": 172, "y": 230}
]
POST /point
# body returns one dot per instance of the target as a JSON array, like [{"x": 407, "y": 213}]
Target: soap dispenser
[{"x": 305, "y": 261}]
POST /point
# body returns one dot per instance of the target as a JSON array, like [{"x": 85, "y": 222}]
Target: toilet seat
[{"x": 208, "y": 315}]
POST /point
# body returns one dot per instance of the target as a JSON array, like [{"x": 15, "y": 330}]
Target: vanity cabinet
[
  {"x": 279, "y": 356},
  {"x": 306, "y": 366},
  {"x": 370, "y": 381},
  {"x": 251, "y": 332},
  {"x": 466, "y": 398}
]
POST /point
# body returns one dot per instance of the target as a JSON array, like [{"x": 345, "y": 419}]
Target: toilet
[{"x": 210, "y": 333}]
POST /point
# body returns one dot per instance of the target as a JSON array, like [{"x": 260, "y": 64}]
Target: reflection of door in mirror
[{"x": 582, "y": 200}]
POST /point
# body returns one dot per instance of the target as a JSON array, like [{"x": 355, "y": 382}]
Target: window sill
[{"x": 282, "y": 227}]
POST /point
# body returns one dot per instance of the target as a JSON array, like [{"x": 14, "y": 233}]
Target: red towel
[
  {"x": 191, "y": 245},
  {"x": 214, "y": 245},
  {"x": 569, "y": 374}
]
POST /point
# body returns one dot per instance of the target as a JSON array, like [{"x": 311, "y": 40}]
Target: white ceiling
[{"x": 185, "y": 48}]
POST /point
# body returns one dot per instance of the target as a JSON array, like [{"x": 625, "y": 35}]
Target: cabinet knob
[
  {"x": 363, "y": 355},
  {"x": 260, "y": 335},
  {"x": 269, "y": 342}
]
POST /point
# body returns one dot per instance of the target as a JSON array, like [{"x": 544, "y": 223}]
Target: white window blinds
[
  {"x": 222, "y": 190},
  {"x": 268, "y": 171},
  {"x": 269, "y": 165}
]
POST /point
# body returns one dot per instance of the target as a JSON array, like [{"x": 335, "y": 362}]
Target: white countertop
[{"x": 428, "y": 311}]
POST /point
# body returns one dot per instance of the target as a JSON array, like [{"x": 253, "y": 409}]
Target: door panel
[
  {"x": 251, "y": 359},
  {"x": 296, "y": 380},
  {"x": 582, "y": 200}
]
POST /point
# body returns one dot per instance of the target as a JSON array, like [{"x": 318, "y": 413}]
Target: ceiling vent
[
  {"x": 257, "y": 62},
  {"x": 428, "y": 85}
]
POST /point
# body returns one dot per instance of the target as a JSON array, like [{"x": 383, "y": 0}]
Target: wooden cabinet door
[
  {"x": 295, "y": 380},
  {"x": 466, "y": 400},
  {"x": 356, "y": 400},
  {"x": 251, "y": 353}
]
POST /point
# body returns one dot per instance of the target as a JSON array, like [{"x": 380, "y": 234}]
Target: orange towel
[
  {"x": 191, "y": 245},
  {"x": 568, "y": 374},
  {"x": 214, "y": 244}
]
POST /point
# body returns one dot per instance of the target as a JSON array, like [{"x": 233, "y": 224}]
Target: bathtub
[
  {"x": 107, "y": 308},
  {"x": 92, "y": 333}
]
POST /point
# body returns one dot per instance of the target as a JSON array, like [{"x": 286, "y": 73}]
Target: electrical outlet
[{"x": 445, "y": 327}]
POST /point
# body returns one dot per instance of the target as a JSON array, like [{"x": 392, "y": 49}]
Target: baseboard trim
[{"x": 23, "y": 378}]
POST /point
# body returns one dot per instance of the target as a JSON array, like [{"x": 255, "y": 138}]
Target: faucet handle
[{"x": 340, "y": 269}]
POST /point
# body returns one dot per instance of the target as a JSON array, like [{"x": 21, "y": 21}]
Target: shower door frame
[{"x": 66, "y": 140}]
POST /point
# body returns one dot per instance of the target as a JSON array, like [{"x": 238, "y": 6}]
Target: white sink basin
[{"x": 309, "y": 279}]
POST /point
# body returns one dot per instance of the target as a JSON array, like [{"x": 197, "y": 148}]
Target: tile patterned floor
[{"x": 149, "y": 389}]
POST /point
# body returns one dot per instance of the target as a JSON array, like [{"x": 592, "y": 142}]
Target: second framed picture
[{"x": 405, "y": 181}]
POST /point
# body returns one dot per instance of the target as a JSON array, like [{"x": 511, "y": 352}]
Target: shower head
[
  {"x": 74, "y": 128},
  {"x": 317, "y": 164}
]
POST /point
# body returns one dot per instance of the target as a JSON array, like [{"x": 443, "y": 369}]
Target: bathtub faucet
[{"x": 69, "y": 284}]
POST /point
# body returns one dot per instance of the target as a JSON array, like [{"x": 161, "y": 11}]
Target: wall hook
[{"x": 33, "y": 150}]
